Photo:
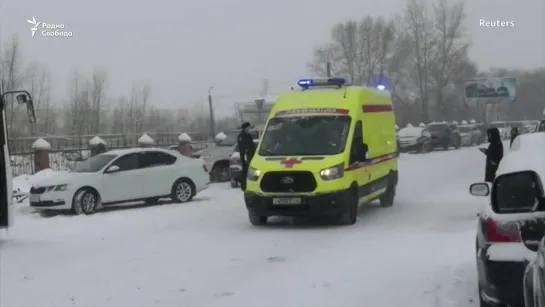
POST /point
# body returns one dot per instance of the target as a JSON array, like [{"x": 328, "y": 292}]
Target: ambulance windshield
[{"x": 305, "y": 135}]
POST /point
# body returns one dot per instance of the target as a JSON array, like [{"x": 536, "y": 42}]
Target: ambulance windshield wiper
[{"x": 266, "y": 152}]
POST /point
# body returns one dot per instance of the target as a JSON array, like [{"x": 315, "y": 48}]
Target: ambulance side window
[{"x": 358, "y": 149}]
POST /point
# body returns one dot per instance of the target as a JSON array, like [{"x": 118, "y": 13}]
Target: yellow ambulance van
[{"x": 326, "y": 149}]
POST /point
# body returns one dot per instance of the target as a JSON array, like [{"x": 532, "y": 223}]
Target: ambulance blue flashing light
[
  {"x": 381, "y": 87},
  {"x": 308, "y": 83}
]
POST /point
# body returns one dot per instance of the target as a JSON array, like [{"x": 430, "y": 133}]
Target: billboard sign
[{"x": 492, "y": 90}]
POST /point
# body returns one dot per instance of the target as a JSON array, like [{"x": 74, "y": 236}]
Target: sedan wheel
[
  {"x": 84, "y": 202},
  {"x": 89, "y": 202},
  {"x": 183, "y": 191}
]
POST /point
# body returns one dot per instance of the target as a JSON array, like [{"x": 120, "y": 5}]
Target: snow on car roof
[
  {"x": 526, "y": 154},
  {"x": 410, "y": 131},
  {"x": 136, "y": 150}
]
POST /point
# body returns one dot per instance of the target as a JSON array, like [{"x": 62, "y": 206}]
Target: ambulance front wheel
[
  {"x": 257, "y": 220},
  {"x": 387, "y": 199},
  {"x": 350, "y": 214}
]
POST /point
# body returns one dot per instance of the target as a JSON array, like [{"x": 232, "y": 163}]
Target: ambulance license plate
[
  {"x": 34, "y": 198},
  {"x": 287, "y": 201}
]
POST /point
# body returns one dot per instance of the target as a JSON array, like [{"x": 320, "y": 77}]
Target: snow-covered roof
[
  {"x": 184, "y": 137},
  {"x": 421, "y": 125},
  {"x": 138, "y": 149},
  {"x": 41, "y": 144},
  {"x": 146, "y": 140},
  {"x": 96, "y": 140},
  {"x": 410, "y": 131},
  {"x": 526, "y": 154}
]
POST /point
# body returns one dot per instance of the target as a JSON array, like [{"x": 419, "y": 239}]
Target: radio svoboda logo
[{"x": 48, "y": 29}]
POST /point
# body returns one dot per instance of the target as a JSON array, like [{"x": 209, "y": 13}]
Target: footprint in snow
[
  {"x": 223, "y": 294},
  {"x": 276, "y": 259}
]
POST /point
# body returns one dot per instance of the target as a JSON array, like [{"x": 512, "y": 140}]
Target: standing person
[
  {"x": 494, "y": 154},
  {"x": 514, "y": 134},
  {"x": 246, "y": 148},
  {"x": 541, "y": 127}
]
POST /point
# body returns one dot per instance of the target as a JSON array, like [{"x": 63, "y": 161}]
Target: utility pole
[
  {"x": 328, "y": 69},
  {"x": 212, "y": 122}
]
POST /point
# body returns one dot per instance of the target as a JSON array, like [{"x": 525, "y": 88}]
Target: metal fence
[{"x": 67, "y": 152}]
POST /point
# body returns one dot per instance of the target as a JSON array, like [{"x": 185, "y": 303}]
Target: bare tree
[
  {"x": 11, "y": 75},
  {"x": 97, "y": 90},
  {"x": 419, "y": 33},
  {"x": 451, "y": 46},
  {"x": 145, "y": 94},
  {"x": 38, "y": 83}
]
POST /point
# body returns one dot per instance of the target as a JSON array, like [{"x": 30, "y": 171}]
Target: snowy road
[{"x": 206, "y": 254}]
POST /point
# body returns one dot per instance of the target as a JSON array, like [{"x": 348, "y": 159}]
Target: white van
[{"x": 6, "y": 189}]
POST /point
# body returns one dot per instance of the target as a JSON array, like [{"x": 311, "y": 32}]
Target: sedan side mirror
[
  {"x": 112, "y": 169},
  {"x": 479, "y": 189}
]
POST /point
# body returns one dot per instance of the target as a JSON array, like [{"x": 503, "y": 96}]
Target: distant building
[{"x": 255, "y": 112}]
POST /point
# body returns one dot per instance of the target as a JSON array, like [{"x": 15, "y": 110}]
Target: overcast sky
[{"x": 183, "y": 47}]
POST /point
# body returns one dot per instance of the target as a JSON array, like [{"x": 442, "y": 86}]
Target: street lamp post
[{"x": 212, "y": 122}]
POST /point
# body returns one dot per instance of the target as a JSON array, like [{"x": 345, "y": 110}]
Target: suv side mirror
[{"x": 112, "y": 169}]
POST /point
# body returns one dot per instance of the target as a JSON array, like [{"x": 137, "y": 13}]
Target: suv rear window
[{"x": 515, "y": 193}]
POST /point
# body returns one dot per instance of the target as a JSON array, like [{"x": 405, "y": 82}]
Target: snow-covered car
[
  {"x": 235, "y": 167},
  {"x": 118, "y": 176},
  {"x": 217, "y": 157},
  {"x": 469, "y": 135},
  {"x": 414, "y": 139},
  {"x": 534, "y": 279},
  {"x": 444, "y": 135},
  {"x": 505, "y": 130},
  {"x": 529, "y": 126},
  {"x": 512, "y": 223}
]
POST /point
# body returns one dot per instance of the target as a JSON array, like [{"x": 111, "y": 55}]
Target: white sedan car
[{"x": 118, "y": 176}]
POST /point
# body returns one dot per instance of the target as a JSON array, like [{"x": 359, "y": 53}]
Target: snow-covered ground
[{"x": 206, "y": 254}]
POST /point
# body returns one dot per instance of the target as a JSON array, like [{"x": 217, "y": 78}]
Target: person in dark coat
[
  {"x": 514, "y": 134},
  {"x": 494, "y": 154},
  {"x": 246, "y": 148},
  {"x": 541, "y": 127}
]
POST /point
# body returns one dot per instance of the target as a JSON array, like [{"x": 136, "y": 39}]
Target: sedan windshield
[
  {"x": 309, "y": 135},
  {"x": 94, "y": 164}
]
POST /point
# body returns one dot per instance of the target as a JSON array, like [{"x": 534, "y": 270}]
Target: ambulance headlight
[
  {"x": 253, "y": 174},
  {"x": 332, "y": 173}
]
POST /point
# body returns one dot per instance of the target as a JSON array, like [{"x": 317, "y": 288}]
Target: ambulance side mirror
[{"x": 363, "y": 154}]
